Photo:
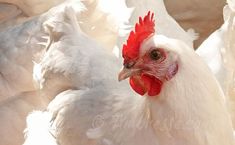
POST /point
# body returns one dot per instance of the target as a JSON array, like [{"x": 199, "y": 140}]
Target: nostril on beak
[{"x": 129, "y": 65}]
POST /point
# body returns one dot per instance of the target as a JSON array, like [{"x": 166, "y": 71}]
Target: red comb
[{"x": 143, "y": 29}]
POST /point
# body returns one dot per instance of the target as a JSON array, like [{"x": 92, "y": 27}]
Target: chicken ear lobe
[{"x": 171, "y": 72}]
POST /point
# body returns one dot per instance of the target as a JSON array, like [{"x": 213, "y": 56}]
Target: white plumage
[
  {"x": 96, "y": 109},
  {"x": 33, "y": 7},
  {"x": 218, "y": 52},
  {"x": 22, "y": 47},
  {"x": 18, "y": 48},
  {"x": 79, "y": 75}
]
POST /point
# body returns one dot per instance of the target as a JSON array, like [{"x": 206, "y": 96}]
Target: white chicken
[
  {"x": 14, "y": 12},
  {"x": 218, "y": 52},
  {"x": 104, "y": 34},
  {"x": 182, "y": 103},
  {"x": 18, "y": 95},
  {"x": 31, "y": 38},
  {"x": 17, "y": 67},
  {"x": 27, "y": 42}
]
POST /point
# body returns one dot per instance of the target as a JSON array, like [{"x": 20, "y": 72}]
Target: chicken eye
[{"x": 155, "y": 54}]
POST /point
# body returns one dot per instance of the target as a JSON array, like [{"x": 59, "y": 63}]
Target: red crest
[{"x": 143, "y": 30}]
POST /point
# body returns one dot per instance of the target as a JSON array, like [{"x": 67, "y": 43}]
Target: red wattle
[
  {"x": 137, "y": 85},
  {"x": 146, "y": 83},
  {"x": 152, "y": 84}
]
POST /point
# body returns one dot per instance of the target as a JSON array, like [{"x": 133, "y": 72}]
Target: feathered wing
[
  {"x": 93, "y": 21},
  {"x": 99, "y": 110},
  {"x": 88, "y": 69},
  {"x": 15, "y": 12},
  {"x": 218, "y": 52},
  {"x": 55, "y": 71},
  {"x": 19, "y": 45},
  {"x": 37, "y": 47},
  {"x": 116, "y": 118},
  {"x": 38, "y": 131},
  {"x": 228, "y": 55}
]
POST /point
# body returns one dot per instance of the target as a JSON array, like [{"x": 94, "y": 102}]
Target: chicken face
[{"x": 147, "y": 64}]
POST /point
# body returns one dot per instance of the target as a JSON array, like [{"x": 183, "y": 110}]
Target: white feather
[
  {"x": 95, "y": 107},
  {"x": 218, "y": 52}
]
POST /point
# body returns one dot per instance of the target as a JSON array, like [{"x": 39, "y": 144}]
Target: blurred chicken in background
[
  {"x": 23, "y": 45},
  {"x": 22, "y": 48},
  {"x": 218, "y": 51},
  {"x": 204, "y": 16}
]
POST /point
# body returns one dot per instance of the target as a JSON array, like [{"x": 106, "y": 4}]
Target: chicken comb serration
[{"x": 143, "y": 30}]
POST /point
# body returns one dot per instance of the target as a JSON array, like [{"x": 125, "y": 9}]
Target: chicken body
[
  {"x": 75, "y": 72},
  {"x": 16, "y": 70},
  {"x": 218, "y": 52},
  {"x": 22, "y": 47},
  {"x": 96, "y": 109}
]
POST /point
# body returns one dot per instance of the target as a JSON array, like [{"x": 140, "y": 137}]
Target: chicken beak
[{"x": 126, "y": 73}]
